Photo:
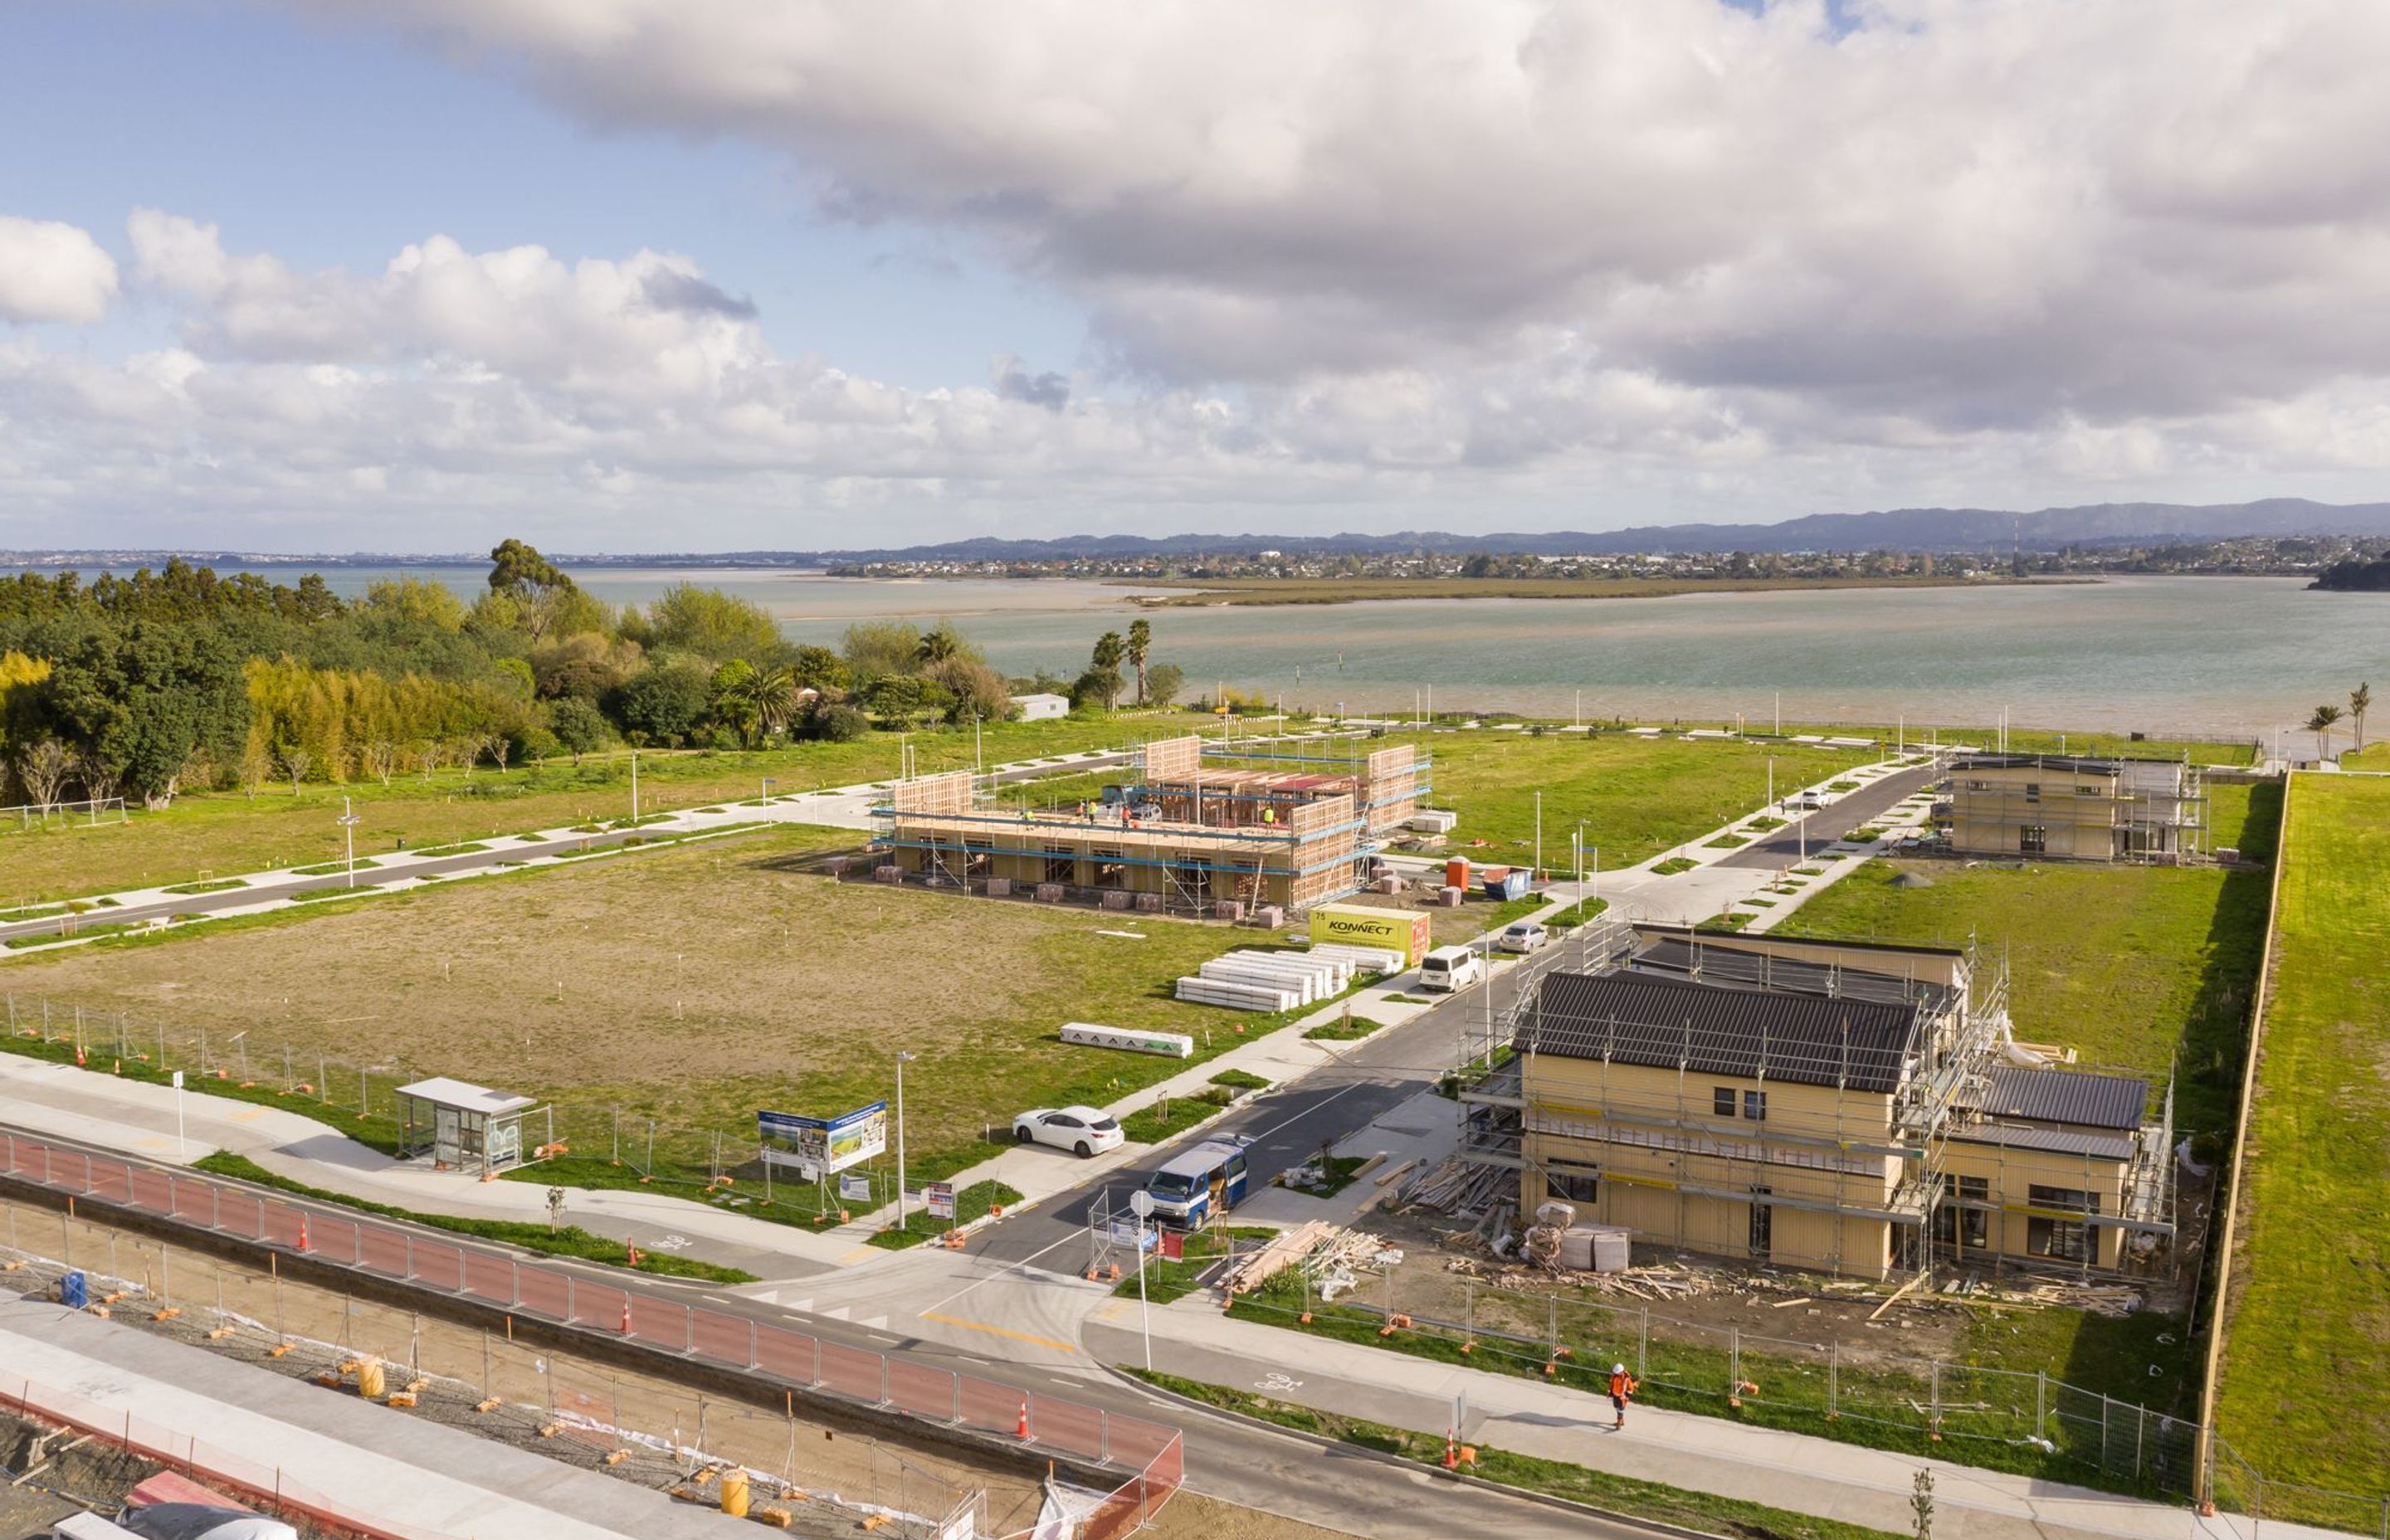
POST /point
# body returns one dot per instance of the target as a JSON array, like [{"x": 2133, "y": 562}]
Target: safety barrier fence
[
  {"x": 945, "y": 1398},
  {"x": 2002, "y": 1419},
  {"x": 260, "y": 1486}
]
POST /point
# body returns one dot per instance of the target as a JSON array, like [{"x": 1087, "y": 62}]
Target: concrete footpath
[
  {"x": 397, "y": 1472},
  {"x": 1821, "y": 1477}
]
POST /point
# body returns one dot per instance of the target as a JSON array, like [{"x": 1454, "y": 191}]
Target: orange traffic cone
[
  {"x": 1022, "y": 1431},
  {"x": 302, "y": 1233},
  {"x": 1451, "y": 1453},
  {"x": 626, "y": 1314}
]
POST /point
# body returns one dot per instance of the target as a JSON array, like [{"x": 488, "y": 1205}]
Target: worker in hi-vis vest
[{"x": 1622, "y": 1391}]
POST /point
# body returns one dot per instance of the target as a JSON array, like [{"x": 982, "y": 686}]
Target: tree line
[{"x": 141, "y": 686}]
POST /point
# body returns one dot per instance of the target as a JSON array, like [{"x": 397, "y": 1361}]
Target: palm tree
[
  {"x": 2320, "y": 724},
  {"x": 772, "y": 693},
  {"x": 2360, "y": 699},
  {"x": 939, "y": 643},
  {"x": 1140, "y": 643}
]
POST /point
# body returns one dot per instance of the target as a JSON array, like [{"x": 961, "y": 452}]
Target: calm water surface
[{"x": 2222, "y": 655}]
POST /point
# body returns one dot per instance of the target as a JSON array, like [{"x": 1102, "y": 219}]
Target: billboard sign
[
  {"x": 824, "y": 1144},
  {"x": 939, "y": 1199},
  {"x": 1396, "y": 930},
  {"x": 854, "y": 1189}
]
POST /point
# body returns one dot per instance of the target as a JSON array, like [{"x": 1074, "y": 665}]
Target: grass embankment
[
  {"x": 1248, "y": 591},
  {"x": 207, "y": 836},
  {"x": 1636, "y": 796},
  {"x": 2050, "y": 740},
  {"x": 569, "y": 1242},
  {"x": 1625, "y": 1495},
  {"x": 694, "y": 986},
  {"x": 2304, "y": 1395}
]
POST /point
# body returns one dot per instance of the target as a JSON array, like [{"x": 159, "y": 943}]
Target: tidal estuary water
[{"x": 2240, "y": 656}]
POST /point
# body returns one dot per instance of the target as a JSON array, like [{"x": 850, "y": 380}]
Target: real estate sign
[
  {"x": 939, "y": 1199},
  {"x": 1355, "y": 925},
  {"x": 824, "y": 1144}
]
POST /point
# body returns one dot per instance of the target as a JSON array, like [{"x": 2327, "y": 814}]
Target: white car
[
  {"x": 1448, "y": 968},
  {"x": 1084, "y": 1131},
  {"x": 1526, "y": 936}
]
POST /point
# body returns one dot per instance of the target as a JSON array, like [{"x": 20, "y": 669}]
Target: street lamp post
[
  {"x": 768, "y": 784},
  {"x": 1140, "y": 1203},
  {"x": 902, "y": 1058},
  {"x": 349, "y": 829}
]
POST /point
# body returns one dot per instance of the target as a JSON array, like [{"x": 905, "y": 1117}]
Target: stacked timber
[{"x": 1274, "y": 998}]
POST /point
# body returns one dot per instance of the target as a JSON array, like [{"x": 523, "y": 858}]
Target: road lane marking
[{"x": 1003, "y": 1331}]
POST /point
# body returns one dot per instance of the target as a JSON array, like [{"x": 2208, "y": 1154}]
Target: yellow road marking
[
  {"x": 861, "y": 1253},
  {"x": 998, "y": 1332}
]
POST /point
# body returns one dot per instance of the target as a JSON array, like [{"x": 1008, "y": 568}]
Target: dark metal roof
[
  {"x": 2081, "y": 764},
  {"x": 2066, "y": 1096},
  {"x": 2063, "y": 1141},
  {"x": 1743, "y": 1033},
  {"x": 1731, "y": 966}
]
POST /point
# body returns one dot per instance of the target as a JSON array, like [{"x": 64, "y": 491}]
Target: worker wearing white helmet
[{"x": 1622, "y": 1390}]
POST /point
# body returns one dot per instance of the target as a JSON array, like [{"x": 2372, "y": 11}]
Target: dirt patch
[{"x": 694, "y": 986}]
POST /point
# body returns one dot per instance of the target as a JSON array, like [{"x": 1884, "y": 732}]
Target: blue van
[{"x": 1208, "y": 1179}]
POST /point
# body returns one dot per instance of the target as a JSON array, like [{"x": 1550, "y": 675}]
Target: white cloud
[
  {"x": 1984, "y": 213},
  {"x": 51, "y": 271}
]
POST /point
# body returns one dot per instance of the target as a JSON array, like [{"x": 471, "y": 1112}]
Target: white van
[{"x": 1450, "y": 968}]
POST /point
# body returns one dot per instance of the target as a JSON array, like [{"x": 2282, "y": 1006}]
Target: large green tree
[
  {"x": 141, "y": 707},
  {"x": 536, "y": 587},
  {"x": 1140, "y": 647}
]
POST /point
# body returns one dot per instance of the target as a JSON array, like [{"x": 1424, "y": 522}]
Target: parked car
[
  {"x": 1450, "y": 968},
  {"x": 1083, "y": 1131},
  {"x": 1807, "y": 800},
  {"x": 1526, "y": 936}
]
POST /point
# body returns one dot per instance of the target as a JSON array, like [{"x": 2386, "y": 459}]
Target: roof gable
[{"x": 1745, "y": 1033}]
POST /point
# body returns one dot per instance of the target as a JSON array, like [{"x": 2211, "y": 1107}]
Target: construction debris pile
[
  {"x": 2115, "y": 1301},
  {"x": 1457, "y": 1188},
  {"x": 1328, "y": 1255}
]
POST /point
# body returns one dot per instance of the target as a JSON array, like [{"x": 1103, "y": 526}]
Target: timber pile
[
  {"x": 1659, "y": 1281},
  {"x": 1456, "y": 1187},
  {"x": 1285, "y": 1250}
]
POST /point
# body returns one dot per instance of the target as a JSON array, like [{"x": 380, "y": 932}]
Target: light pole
[
  {"x": 768, "y": 784},
  {"x": 902, "y": 1058},
  {"x": 1140, "y": 1203},
  {"x": 349, "y": 829},
  {"x": 1539, "y": 835},
  {"x": 979, "y": 759},
  {"x": 634, "y": 787}
]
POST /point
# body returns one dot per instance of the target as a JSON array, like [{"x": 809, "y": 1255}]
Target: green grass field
[
  {"x": 694, "y": 986},
  {"x": 1636, "y": 796},
  {"x": 218, "y": 834},
  {"x": 2123, "y": 964},
  {"x": 2305, "y": 1393}
]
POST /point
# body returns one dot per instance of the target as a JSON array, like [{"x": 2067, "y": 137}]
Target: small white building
[{"x": 1042, "y": 707}]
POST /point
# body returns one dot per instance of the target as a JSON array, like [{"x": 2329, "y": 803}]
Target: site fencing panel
[{"x": 1055, "y": 1424}]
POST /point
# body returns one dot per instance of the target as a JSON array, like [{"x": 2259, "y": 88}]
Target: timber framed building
[
  {"x": 1197, "y": 825},
  {"x": 2079, "y": 808}
]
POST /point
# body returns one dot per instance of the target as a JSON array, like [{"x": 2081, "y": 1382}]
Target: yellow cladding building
[
  {"x": 1852, "y": 1110},
  {"x": 2070, "y": 806}
]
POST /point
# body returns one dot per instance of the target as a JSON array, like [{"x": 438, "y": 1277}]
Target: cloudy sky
[{"x": 691, "y": 275}]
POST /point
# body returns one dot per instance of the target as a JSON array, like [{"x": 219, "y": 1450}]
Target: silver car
[{"x": 1526, "y": 936}]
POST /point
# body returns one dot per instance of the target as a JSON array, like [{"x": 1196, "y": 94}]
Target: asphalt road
[
  {"x": 472, "y": 861},
  {"x": 1785, "y": 847},
  {"x": 1287, "y": 1125},
  {"x": 1226, "y": 1457}
]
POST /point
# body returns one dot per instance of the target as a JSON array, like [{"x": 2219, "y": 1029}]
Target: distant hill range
[{"x": 1891, "y": 529}]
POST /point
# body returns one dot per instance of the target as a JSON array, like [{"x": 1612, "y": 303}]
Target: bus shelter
[{"x": 466, "y": 1127}]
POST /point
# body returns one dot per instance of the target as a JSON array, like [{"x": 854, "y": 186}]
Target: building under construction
[
  {"x": 2073, "y": 806},
  {"x": 1847, "y": 1107},
  {"x": 1196, "y": 827}
]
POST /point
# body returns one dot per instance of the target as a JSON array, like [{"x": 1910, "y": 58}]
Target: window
[
  {"x": 1763, "y": 1223},
  {"x": 2064, "y": 1239},
  {"x": 1755, "y": 1106},
  {"x": 1722, "y": 1101},
  {"x": 975, "y": 859},
  {"x": 2033, "y": 792},
  {"x": 1062, "y": 864},
  {"x": 1955, "y": 1225},
  {"x": 1111, "y": 870},
  {"x": 1065, "y": 1120},
  {"x": 1573, "y": 1187},
  {"x": 2033, "y": 839},
  {"x": 1979, "y": 786}
]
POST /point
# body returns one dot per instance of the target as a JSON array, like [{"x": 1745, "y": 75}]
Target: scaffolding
[
  {"x": 1199, "y": 827},
  {"x": 2151, "y": 811}
]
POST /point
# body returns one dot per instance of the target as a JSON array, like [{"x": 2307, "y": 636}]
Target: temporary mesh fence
[
  {"x": 944, "y": 1398},
  {"x": 1999, "y": 1417}
]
